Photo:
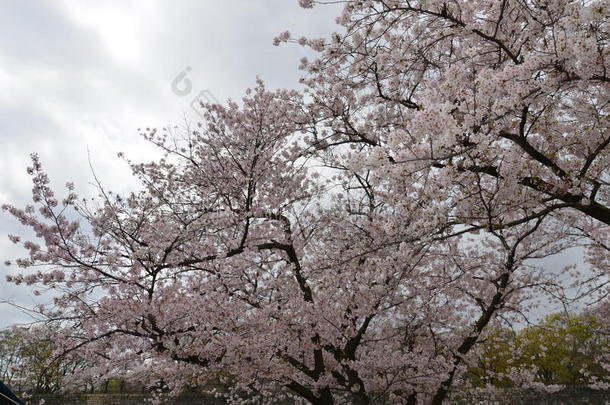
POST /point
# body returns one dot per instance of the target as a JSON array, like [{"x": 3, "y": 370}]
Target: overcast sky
[{"x": 78, "y": 76}]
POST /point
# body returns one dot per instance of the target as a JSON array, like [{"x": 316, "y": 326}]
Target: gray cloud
[{"x": 40, "y": 35}]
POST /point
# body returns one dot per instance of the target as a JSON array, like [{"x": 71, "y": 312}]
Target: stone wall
[
  {"x": 120, "y": 399},
  {"x": 567, "y": 396}
]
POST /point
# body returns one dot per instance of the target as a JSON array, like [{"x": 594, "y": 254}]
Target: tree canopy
[
  {"x": 353, "y": 241},
  {"x": 565, "y": 349}
]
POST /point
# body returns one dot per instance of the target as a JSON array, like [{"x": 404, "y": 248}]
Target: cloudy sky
[{"x": 79, "y": 77}]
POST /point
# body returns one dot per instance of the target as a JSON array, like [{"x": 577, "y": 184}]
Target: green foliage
[
  {"x": 9, "y": 355},
  {"x": 28, "y": 362},
  {"x": 113, "y": 386},
  {"x": 564, "y": 350},
  {"x": 495, "y": 359}
]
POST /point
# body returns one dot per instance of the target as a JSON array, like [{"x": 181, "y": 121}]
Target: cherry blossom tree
[
  {"x": 498, "y": 109},
  {"x": 514, "y": 92},
  {"x": 351, "y": 244},
  {"x": 235, "y": 260}
]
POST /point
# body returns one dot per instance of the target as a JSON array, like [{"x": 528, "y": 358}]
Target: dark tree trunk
[
  {"x": 325, "y": 398},
  {"x": 360, "y": 399}
]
